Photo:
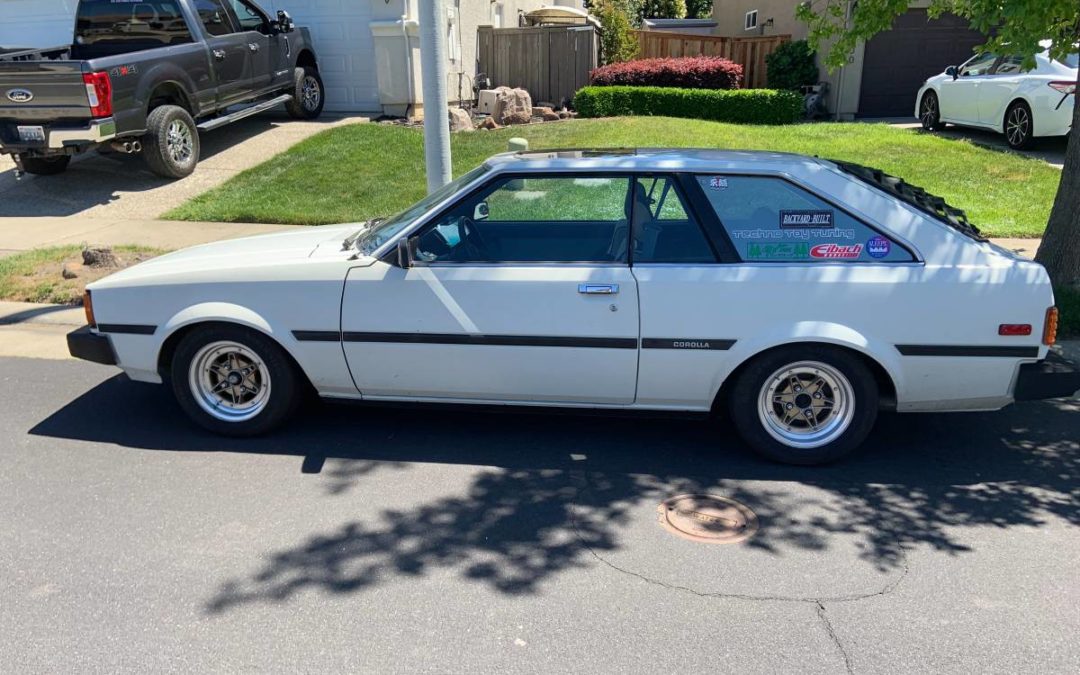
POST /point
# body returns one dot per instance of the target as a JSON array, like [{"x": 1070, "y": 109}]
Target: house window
[{"x": 750, "y": 22}]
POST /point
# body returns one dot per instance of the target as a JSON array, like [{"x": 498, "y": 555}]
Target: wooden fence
[
  {"x": 748, "y": 52},
  {"x": 550, "y": 62}
]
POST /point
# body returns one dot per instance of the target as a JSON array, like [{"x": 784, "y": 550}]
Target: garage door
[
  {"x": 340, "y": 29},
  {"x": 899, "y": 60},
  {"x": 36, "y": 23}
]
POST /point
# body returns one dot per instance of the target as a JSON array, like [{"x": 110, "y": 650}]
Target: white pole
[{"x": 433, "y": 76}]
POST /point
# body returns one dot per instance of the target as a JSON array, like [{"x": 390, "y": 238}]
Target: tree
[
  {"x": 699, "y": 9},
  {"x": 662, "y": 9},
  {"x": 617, "y": 40},
  {"x": 1014, "y": 27}
]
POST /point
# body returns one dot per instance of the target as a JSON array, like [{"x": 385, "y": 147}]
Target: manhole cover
[{"x": 708, "y": 519}]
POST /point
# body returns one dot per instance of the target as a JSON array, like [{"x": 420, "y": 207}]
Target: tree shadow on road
[{"x": 561, "y": 488}]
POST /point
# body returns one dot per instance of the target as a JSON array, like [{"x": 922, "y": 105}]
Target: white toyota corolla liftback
[{"x": 798, "y": 295}]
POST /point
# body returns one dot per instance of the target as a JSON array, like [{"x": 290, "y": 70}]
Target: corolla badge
[{"x": 21, "y": 95}]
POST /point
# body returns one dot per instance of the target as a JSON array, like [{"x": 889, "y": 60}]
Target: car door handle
[
  {"x": 253, "y": 47},
  {"x": 220, "y": 54},
  {"x": 598, "y": 289}
]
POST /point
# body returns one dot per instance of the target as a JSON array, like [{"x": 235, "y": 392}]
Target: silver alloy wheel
[
  {"x": 179, "y": 142},
  {"x": 806, "y": 404},
  {"x": 311, "y": 93},
  {"x": 1018, "y": 125},
  {"x": 229, "y": 381},
  {"x": 929, "y": 111}
]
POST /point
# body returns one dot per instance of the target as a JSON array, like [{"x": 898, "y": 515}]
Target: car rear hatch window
[
  {"x": 111, "y": 27},
  {"x": 929, "y": 204}
]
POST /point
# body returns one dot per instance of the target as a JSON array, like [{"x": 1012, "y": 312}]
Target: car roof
[{"x": 642, "y": 159}]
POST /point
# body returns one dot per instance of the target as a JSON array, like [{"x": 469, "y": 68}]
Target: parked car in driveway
[
  {"x": 996, "y": 92},
  {"x": 800, "y": 295},
  {"x": 146, "y": 77}
]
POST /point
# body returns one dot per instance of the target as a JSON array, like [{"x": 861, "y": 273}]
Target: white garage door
[
  {"x": 36, "y": 23},
  {"x": 346, "y": 51}
]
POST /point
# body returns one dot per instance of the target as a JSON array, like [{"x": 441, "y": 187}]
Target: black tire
[
  {"x": 306, "y": 104},
  {"x": 44, "y": 166},
  {"x": 179, "y": 159},
  {"x": 754, "y": 384},
  {"x": 930, "y": 112},
  {"x": 282, "y": 384},
  {"x": 1019, "y": 126}
]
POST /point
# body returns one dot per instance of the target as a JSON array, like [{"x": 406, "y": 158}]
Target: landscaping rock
[
  {"x": 488, "y": 123},
  {"x": 512, "y": 106},
  {"x": 551, "y": 116},
  {"x": 71, "y": 270},
  {"x": 460, "y": 120},
  {"x": 100, "y": 257},
  {"x": 564, "y": 114}
]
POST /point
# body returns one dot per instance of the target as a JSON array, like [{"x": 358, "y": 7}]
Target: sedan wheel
[
  {"x": 234, "y": 381},
  {"x": 1018, "y": 126},
  {"x": 930, "y": 113}
]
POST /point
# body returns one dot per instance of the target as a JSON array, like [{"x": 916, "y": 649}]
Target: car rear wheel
[
  {"x": 1019, "y": 126},
  {"x": 805, "y": 404},
  {"x": 308, "y": 98},
  {"x": 930, "y": 112},
  {"x": 171, "y": 146},
  {"x": 234, "y": 381},
  {"x": 44, "y": 166}
]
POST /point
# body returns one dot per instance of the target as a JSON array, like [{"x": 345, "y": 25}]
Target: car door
[
  {"x": 519, "y": 292},
  {"x": 230, "y": 55},
  {"x": 997, "y": 89},
  {"x": 960, "y": 97},
  {"x": 254, "y": 25}
]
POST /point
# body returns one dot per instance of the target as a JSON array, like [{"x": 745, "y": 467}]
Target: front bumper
[
  {"x": 90, "y": 346},
  {"x": 58, "y": 136},
  {"x": 1053, "y": 377}
]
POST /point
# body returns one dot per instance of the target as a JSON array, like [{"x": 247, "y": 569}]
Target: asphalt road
[{"x": 385, "y": 540}]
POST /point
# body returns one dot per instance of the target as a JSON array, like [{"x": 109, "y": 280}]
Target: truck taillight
[
  {"x": 99, "y": 93},
  {"x": 1051, "y": 326},
  {"x": 1063, "y": 87}
]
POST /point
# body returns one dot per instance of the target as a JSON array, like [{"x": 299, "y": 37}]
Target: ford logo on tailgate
[{"x": 21, "y": 95}]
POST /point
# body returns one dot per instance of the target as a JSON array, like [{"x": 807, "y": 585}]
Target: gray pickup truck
[{"x": 145, "y": 76}]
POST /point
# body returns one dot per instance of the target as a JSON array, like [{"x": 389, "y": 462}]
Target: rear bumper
[
  {"x": 58, "y": 136},
  {"x": 89, "y": 346},
  {"x": 1055, "y": 119},
  {"x": 1053, "y": 377}
]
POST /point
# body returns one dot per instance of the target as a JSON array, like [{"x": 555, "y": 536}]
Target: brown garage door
[{"x": 899, "y": 60}]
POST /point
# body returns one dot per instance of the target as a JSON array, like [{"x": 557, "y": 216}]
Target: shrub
[
  {"x": 791, "y": 65},
  {"x": 743, "y": 106},
  {"x": 617, "y": 40},
  {"x": 688, "y": 72}
]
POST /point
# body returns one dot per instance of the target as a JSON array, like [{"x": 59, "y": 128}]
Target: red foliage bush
[{"x": 687, "y": 72}]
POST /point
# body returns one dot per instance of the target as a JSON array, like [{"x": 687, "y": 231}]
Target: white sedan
[
  {"x": 798, "y": 295},
  {"x": 996, "y": 92}
]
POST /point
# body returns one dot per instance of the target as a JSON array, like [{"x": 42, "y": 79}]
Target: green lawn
[{"x": 358, "y": 172}]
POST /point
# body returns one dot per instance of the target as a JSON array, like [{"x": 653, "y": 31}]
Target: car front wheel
[
  {"x": 930, "y": 112},
  {"x": 805, "y": 405},
  {"x": 1018, "y": 126},
  {"x": 234, "y": 381}
]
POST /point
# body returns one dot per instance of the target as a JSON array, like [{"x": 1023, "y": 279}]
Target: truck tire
[
  {"x": 308, "y": 97},
  {"x": 171, "y": 144},
  {"x": 44, "y": 166}
]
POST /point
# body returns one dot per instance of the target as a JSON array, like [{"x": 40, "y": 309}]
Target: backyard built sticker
[
  {"x": 778, "y": 251},
  {"x": 805, "y": 218},
  {"x": 718, "y": 183}
]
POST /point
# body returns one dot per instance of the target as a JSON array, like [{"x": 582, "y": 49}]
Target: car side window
[
  {"x": 214, "y": 17},
  {"x": 1010, "y": 65},
  {"x": 769, "y": 219},
  {"x": 250, "y": 17},
  {"x": 571, "y": 218},
  {"x": 664, "y": 230},
  {"x": 979, "y": 65}
]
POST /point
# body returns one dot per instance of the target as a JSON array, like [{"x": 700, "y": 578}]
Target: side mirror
[
  {"x": 952, "y": 72},
  {"x": 405, "y": 252},
  {"x": 481, "y": 212},
  {"x": 285, "y": 22}
]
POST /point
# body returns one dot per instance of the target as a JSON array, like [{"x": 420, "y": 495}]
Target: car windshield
[
  {"x": 382, "y": 231},
  {"x": 1071, "y": 60}
]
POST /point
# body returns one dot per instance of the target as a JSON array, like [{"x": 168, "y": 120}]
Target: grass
[
  {"x": 362, "y": 171},
  {"x": 35, "y": 276}
]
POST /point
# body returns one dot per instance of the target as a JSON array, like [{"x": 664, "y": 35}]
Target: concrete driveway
[
  {"x": 120, "y": 187},
  {"x": 1050, "y": 150}
]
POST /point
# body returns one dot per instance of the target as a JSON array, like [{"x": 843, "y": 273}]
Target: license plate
[{"x": 32, "y": 134}]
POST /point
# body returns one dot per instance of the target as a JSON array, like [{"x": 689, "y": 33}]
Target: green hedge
[{"x": 742, "y": 106}]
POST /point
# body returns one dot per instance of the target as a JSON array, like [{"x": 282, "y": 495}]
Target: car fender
[
  {"x": 166, "y": 73},
  {"x": 918, "y": 97},
  {"x": 880, "y": 351},
  {"x": 224, "y": 312}
]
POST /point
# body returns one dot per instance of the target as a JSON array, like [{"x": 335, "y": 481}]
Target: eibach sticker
[
  {"x": 836, "y": 251},
  {"x": 718, "y": 183},
  {"x": 805, "y": 218}
]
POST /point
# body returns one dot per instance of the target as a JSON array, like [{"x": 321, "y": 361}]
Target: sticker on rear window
[
  {"x": 878, "y": 247},
  {"x": 805, "y": 218},
  {"x": 781, "y": 251},
  {"x": 718, "y": 183}
]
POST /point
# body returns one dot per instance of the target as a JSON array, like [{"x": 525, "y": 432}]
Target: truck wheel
[
  {"x": 44, "y": 166},
  {"x": 234, "y": 381},
  {"x": 805, "y": 405},
  {"x": 171, "y": 144},
  {"x": 308, "y": 99}
]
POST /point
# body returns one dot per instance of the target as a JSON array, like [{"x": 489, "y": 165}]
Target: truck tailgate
[{"x": 42, "y": 91}]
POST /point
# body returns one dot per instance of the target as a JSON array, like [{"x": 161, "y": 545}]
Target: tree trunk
[{"x": 1059, "y": 252}]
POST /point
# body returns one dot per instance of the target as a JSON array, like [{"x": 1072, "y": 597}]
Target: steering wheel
[{"x": 472, "y": 242}]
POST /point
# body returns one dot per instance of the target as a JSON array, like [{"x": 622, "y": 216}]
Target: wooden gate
[
  {"x": 747, "y": 52},
  {"x": 550, "y": 62}
]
